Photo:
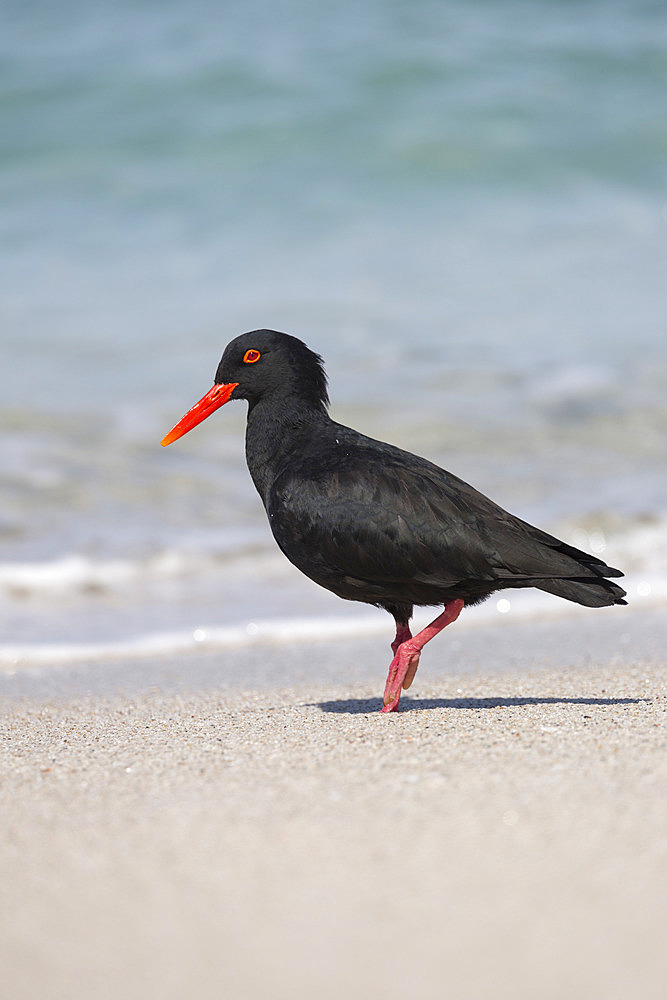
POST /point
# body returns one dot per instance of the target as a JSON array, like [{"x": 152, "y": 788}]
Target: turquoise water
[{"x": 462, "y": 206}]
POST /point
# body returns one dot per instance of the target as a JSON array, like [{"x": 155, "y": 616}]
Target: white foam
[
  {"x": 197, "y": 639},
  {"x": 72, "y": 572},
  {"x": 643, "y": 591},
  {"x": 76, "y": 573}
]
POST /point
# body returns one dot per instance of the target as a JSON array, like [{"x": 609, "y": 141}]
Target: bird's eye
[{"x": 251, "y": 356}]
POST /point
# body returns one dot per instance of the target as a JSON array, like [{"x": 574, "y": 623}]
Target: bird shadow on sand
[{"x": 368, "y": 706}]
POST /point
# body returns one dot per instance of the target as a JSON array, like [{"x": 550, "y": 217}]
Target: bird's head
[{"x": 254, "y": 366}]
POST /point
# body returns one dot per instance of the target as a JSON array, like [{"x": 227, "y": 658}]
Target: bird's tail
[
  {"x": 575, "y": 575},
  {"x": 598, "y": 593}
]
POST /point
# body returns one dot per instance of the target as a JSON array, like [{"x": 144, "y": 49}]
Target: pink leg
[
  {"x": 402, "y": 634},
  {"x": 407, "y": 651}
]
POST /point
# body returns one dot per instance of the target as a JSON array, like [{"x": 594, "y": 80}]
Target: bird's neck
[{"x": 275, "y": 433}]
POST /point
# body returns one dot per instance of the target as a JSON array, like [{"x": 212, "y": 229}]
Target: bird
[{"x": 371, "y": 522}]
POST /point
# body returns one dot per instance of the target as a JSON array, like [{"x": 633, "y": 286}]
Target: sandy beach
[{"x": 168, "y": 833}]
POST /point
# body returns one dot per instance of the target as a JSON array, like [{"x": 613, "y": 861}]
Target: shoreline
[{"x": 575, "y": 638}]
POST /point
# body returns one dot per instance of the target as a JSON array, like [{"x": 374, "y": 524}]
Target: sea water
[{"x": 460, "y": 205}]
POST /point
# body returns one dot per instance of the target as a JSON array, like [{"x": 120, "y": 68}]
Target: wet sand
[{"x": 166, "y": 834}]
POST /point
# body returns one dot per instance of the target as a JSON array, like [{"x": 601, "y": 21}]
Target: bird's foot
[
  {"x": 407, "y": 649},
  {"x": 401, "y": 674}
]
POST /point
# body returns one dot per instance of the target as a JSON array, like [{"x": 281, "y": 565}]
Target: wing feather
[{"x": 378, "y": 524}]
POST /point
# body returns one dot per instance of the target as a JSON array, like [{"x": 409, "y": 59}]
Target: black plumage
[{"x": 377, "y": 524}]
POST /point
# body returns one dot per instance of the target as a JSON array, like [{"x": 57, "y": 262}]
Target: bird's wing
[
  {"x": 392, "y": 518},
  {"x": 381, "y": 523}
]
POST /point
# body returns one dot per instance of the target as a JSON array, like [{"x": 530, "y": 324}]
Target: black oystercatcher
[{"x": 371, "y": 522}]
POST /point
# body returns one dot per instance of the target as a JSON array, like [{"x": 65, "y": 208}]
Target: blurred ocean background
[{"x": 461, "y": 205}]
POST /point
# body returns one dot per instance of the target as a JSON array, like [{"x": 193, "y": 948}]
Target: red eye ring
[{"x": 251, "y": 356}]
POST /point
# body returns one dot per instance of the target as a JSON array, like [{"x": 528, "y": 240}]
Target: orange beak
[{"x": 214, "y": 398}]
